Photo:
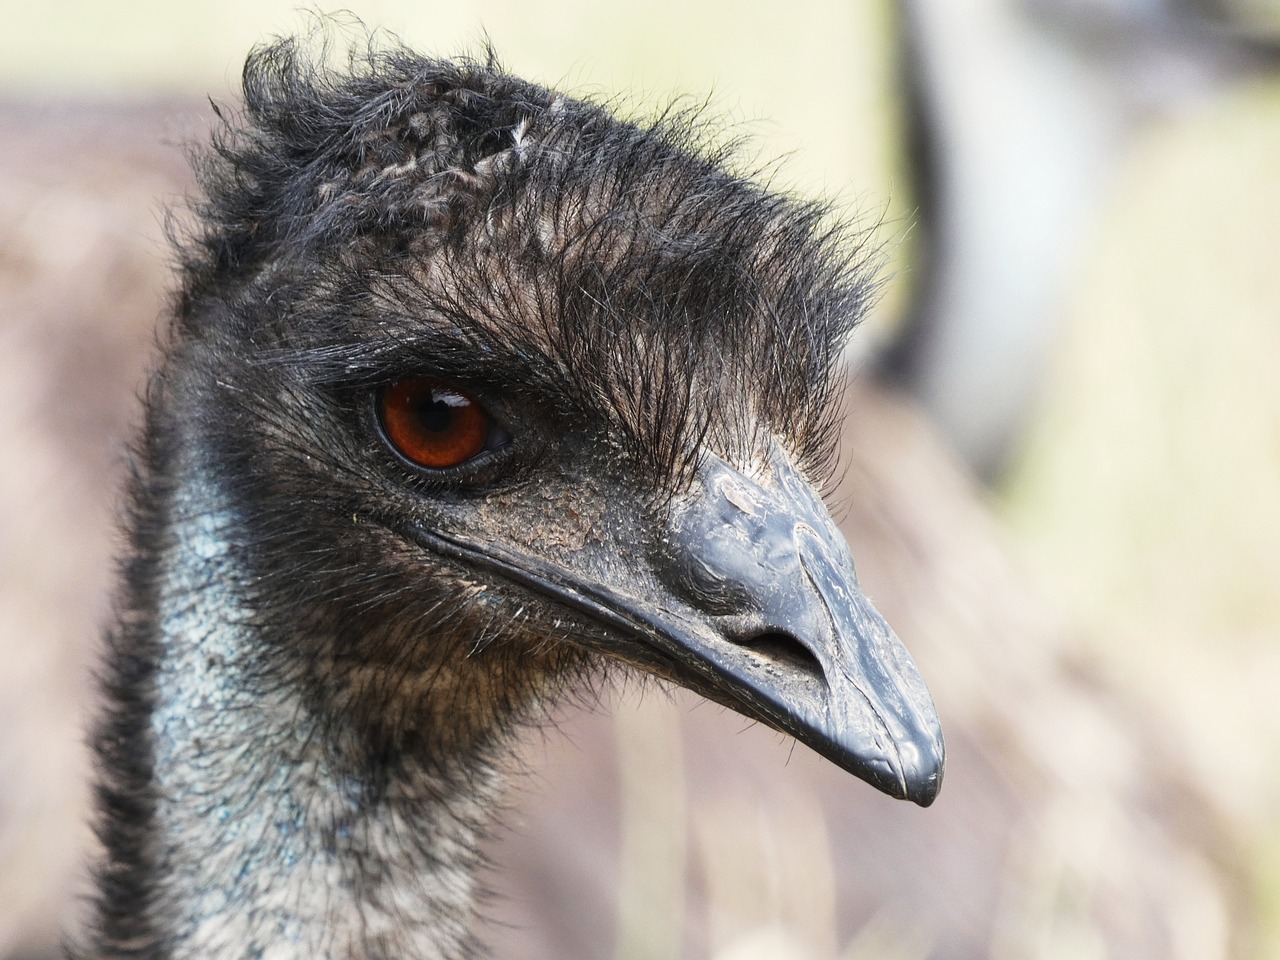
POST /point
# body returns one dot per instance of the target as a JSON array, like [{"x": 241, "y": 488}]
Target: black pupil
[{"x": 436, "y": 416}]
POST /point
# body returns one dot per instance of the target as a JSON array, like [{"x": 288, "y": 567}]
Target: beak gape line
[{"x": 794, "y": 643}]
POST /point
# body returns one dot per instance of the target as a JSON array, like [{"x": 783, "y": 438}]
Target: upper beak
[
  {"x": 750, "y": 599},
  {"x": 798, "y": 644}
]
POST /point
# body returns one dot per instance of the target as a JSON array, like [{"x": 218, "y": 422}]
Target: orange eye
[{"x": 433, "y": 424}]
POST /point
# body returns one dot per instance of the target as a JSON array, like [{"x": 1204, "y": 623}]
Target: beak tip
[
  {"x": 913, "y": 771},
  {"x": 924, "y": 792},
  {"x": 923, "y": 781}
]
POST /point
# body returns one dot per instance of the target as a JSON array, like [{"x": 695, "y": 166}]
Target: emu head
[{"x": 502, "y": 388}]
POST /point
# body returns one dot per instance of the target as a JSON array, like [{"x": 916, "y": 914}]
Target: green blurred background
[{"x": 1148, "y": 490}]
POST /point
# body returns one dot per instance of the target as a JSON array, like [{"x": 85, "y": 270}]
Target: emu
[{"x": 473, "y": 394}]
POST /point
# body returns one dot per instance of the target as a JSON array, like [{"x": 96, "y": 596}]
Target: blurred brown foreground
[{"x": 650, "y": 829}]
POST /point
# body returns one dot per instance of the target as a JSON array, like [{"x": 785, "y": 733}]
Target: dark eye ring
[{"x": 435, "y": 425}]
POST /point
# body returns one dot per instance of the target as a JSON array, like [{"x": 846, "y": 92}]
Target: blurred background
[{"x": 1062, "y": 482}]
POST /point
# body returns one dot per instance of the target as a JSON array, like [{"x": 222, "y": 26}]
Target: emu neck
[{"x": 273, "y": 833}]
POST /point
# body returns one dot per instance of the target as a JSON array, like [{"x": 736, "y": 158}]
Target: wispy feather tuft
[{"x": 619, "y": 269}]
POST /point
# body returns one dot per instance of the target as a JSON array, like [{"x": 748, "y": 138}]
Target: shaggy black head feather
[{"x": 600, "y": 265}]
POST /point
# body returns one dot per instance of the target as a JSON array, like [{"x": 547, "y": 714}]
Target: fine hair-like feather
[
  {"x": 612, "y": 282},
  {"x": 620, "y": 267}
]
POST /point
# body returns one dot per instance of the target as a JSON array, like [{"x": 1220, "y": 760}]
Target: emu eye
[{"x": 435, "y": 425}]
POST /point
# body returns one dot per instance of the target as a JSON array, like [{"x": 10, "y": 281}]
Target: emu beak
[
  {"x": 798, "y": 645},
  {"x": 751, "y": 600}
]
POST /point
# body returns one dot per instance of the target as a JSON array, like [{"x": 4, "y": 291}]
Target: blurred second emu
[{"x": 474, "y": 395}]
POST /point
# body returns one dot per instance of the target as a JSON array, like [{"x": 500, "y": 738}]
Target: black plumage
[{"x": 324, "y": 649}]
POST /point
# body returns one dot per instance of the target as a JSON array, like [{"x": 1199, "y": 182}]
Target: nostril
[{"x": 784, "y": 649}]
